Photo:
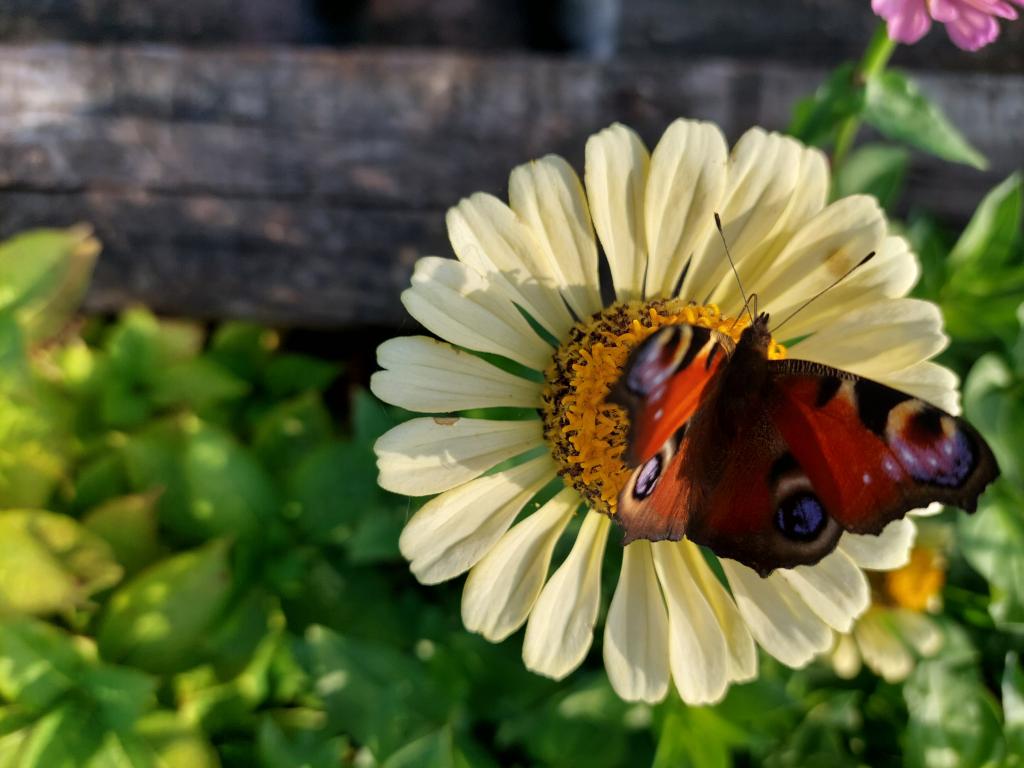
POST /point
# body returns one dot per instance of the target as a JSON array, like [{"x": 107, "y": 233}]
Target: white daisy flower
[
  {"x": 672, "y": 615},
  {"x": 897, "y": 625}
]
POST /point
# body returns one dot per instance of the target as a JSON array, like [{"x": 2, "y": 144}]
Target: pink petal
[
  {"x": 972, "y": 30},
  {"x": 946, "y": 10},
  {"x": 908, "y": 19}
]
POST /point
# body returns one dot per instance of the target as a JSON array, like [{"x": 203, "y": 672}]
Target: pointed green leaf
[
  {"x": 992, "y": 231},
  {"x": 159, "y": 619},
  {"x": 897, "y": 108},
  {"x": 51, "y": 562},
  {"x": 43, "y": 276},
  {"x": 816, "y": 118},
  {"x": 1013, "y": 706},
  {"x": 128, "y": 524}
]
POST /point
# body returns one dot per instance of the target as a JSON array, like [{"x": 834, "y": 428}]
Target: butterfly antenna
[
  {"x": 721, "y": 233},
  {"x": 825, "y": 290}
]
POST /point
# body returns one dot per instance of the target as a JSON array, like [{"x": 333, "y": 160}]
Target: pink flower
[{"x": 971, "y": 24}]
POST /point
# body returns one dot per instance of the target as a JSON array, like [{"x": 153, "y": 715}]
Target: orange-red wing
[
  {"x": 873, "y": 453},
  {"x": 664, "y": 382}
]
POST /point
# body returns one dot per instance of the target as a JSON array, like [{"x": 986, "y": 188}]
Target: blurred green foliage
[{"x": 197, "y": 567}]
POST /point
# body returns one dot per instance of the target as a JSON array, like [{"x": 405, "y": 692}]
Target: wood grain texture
[
  {"x": 814, "y": 31},
  {"x": 299, "y": 187},
  {"x": 821, "y": 32}
]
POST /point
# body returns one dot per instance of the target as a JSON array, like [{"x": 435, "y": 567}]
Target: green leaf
[
  {"x": 38, "y": 663},
  {"x": 310, "y": 748},
  {"x": 436, "y": 750},
  {"x": 382, "y": 698},
  {"x": 141, "y": 346},
  {"x": 211, "y": 484},
  {"x": 694, "y": 737},
  {"x": 159, "y": 619},
  {"x": 992, "y": 541},
  {"x": 331, "y": 491},
  {"x": 1013, "y": 708},
  {"x": 992, "y": 232},
  {"x": 816, "y": 118},
  {"x": 290, "y": 431},
  {"x": 243, "y": 348},
  {"x": 992, "y": 402},
  {"x": 929, "y": 241},
  {"x": 898, "y": 109},
  {"x": 370, "y": 418},
  {"x": 44, "y": 275},
  {"x": 196, "y": 383},
  {"x": 290, "y": 374},
  {"x": 874, "y": 169},
  {"x": 51, "y": 562},
  {"x": 220, "y": 706},
  {"x": 176, "y": 744},
  {"x": 584, "y": 719},
  {"x": 122, "y": 694},
  {"x": 128, "y": 524},
  {"x": 952, "y": 718}
]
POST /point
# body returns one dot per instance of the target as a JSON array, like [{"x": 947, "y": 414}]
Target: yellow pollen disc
[
  {"x": 588, "y": 435},
  {"x": 917, "y": 585}
]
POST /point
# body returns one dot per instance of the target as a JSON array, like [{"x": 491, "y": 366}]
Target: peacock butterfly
[{"x": 768, "y": 461}]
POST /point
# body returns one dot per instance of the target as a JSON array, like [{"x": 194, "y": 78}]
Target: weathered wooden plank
[
  {"x": 177, "y": 21},
  {"x": 818, "y": 31},
  {"x": 813, "y": 31},
  {"x": 299, "y": 187},
  {"x": 277, "y": 261}
]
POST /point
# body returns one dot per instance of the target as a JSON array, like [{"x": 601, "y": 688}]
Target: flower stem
[{"x": 873, "y": 63}]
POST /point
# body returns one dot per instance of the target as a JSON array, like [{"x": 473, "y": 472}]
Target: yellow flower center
[
  {"x": 587, "y": 435},
  {"x": 917, "y": 585}
]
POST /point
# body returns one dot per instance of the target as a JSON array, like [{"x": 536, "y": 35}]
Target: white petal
[
  {"x": 636, "y": 630},
  {"x": 890, "y": 274},
  {"x": 450, "y": 533},
  {"x": 778, "y": 618},
  {"x": 763, "y": 174},
  {"x": 741, "y": 659},
  {"x": 616, "y": 176},
  {"x": 503, "y": 587},
  {"x": 820, "y": 252},
  {"x": 456, "y": 303},
  {"x": 918, "y": 630},
  {"x": 888, "y": 550},
  {"x": 425, "y": 456},
  {"x": 697, "y": 651},
  {"x": 684, "y": 188},
  {"x": 881, "y": 649},
  {"x": 770, "y": 170},
  {"x": 430, "y": 376},
  {"x": 548, "y": 197},
  {"x": 487, "y": 236},
  {"x": 878, "y": 340},
  {"x": 834, "y": 588},
  {"x": 846, "y": 657},
  {"x": 929, "y": 381},
  {"x": 561, "y": 625}
]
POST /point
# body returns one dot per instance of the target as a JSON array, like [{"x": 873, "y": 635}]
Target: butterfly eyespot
[
  {"x": 647, "y": 478},
  {"x": 801, "y": 517}
]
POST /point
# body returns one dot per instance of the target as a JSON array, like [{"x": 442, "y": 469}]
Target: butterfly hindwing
[
  {"x": 872, "y": 452},
  {"x": 756, "y": 503}
]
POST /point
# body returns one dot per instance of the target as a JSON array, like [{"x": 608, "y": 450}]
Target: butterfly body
[{"x": 769, "y": 461}]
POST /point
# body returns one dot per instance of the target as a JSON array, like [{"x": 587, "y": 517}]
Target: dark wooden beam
[{"x": 299, "y": 187}]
